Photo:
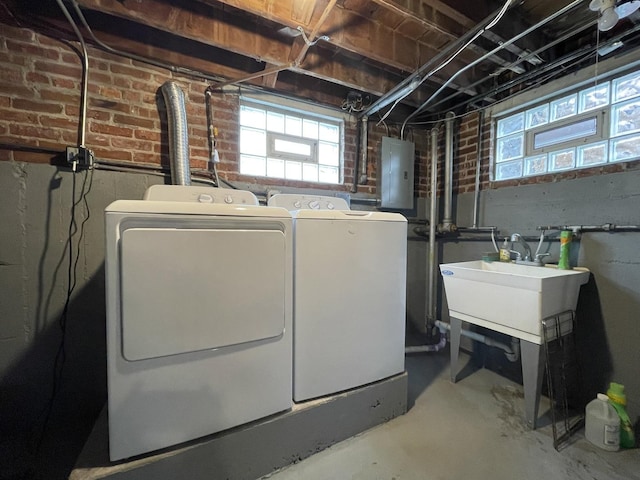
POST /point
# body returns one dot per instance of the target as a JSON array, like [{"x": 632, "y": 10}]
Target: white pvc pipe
[
  {"x": 436, "y": 347},
  {"x": 511, "y": 352}
]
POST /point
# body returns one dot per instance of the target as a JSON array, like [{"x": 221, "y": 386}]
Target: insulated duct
[{"x": 178, "y": 135}]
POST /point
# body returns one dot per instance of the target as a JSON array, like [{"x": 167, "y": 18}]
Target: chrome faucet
[
  {"x": 528, "y": 257},
  {"x": 516, "y": 237}
]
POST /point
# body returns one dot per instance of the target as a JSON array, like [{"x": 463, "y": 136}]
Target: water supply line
[
  {"x": 360, "y": 178},
  {"x": 607, "y": 227},
  {"x": 178, "y": 134},
  {"x": 212, "y": 134}
]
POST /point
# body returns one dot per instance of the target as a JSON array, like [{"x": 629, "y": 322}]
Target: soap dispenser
[{"x": 505, "y": 251}]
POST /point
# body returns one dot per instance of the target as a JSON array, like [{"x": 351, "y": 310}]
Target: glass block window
[
  {"x": 290, "y": 144},
  {"x": 590, "y": 127}
]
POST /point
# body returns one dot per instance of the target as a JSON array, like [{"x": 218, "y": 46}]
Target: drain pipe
[
  {"x": 178, "y": 134},
  {"x": 431, "y": 263},
  {"x": 447, "y": 224},
  {"x": 430, "y": 305},
  {"x": 511, "y": 352},
  {"x": 476, "y": 192}
]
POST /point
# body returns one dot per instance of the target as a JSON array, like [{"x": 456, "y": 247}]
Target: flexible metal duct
[{"x": 178, "y": 135}]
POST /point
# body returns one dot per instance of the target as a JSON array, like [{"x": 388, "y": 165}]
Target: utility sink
[{"x": 510, "y": 298}]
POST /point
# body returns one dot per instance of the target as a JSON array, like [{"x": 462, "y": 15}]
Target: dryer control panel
[
  {"x": 294, "y": 202},
  {"x": 188, "y": 193}
]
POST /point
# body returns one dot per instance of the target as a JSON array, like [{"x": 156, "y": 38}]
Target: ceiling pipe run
[
  {"x": 502, "y": 46},
  {"x": 426, "y": 70}
]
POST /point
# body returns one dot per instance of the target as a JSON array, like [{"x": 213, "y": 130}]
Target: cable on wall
[{"x": 72, "y": 269}]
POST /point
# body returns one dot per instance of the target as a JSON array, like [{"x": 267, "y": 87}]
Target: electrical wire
[
  {"x": 480, "y": 32},
  {"x": 533, "y": 86},
  {"x": 495, "y": 50},
  {"x": 72, "y": 280}
]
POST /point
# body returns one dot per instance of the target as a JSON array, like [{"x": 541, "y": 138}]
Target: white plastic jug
[{"x": 602, "y": 424}]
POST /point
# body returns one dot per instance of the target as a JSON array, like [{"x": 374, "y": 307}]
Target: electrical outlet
[
  {"x": 72, "y": 154},
  {"x": 79, "y": 157}
]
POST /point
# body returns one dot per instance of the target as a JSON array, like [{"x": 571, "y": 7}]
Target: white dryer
[
  {"x": 199, "y": 305},
  {"x": 349, "y": 294}
]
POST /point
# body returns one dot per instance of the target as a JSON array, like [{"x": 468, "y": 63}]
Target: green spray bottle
[
  {"x": 618, "y": 400},
  {"x": 565, "y": 246}
]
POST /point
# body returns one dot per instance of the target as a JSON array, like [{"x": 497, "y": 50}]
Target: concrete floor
[{"x": 473, "y": 429}]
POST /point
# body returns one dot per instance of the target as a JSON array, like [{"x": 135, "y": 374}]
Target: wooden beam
[{"x": 226, "y": 33}]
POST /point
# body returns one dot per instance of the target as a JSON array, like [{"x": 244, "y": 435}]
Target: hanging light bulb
[
  {"x": 608, "y": 19},
  {"x": 608, "y": 16}
]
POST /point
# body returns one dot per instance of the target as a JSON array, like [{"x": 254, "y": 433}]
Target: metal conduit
[
  {"x": 133, "y": 56},
  {"x": 437, "y": 58},
  {"x": 492, "y": 52},
  {"x": 85, "y": 74}
]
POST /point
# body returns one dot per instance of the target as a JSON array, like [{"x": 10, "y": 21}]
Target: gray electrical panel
[{"x": 395, "y": 177}]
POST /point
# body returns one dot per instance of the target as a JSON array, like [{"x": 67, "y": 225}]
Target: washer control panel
[
  {"x": 188, "y": 193},
  {"x": 291, "y": 202}
]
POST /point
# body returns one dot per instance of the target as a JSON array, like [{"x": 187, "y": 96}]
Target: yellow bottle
[{"x": 505, "y": 251}]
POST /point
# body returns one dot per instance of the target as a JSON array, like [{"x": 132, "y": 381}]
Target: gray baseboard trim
[{"x": 256, "y": 449}]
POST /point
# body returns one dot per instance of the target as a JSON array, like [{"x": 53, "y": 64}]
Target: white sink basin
[{"x": 510, "y": 298}]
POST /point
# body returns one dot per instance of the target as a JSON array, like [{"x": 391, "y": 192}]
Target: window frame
[
  {"x": 614, "y": 69},
  {"x": 602, "y": 127},
  {"x": 303, "y": 111},
  {"x": 520, "y": 165}
]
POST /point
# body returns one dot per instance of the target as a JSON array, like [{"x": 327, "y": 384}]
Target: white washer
[
  {"x": 199, "y": 294},
  {"x": 349, "y": 294}
]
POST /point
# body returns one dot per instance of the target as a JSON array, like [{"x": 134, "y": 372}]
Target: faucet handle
[
  {"x": 518, "y": 254},
  {"x": 540, "y": 256}
]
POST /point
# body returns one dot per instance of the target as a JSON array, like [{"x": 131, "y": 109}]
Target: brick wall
[{"x": 40, "y": 85}]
